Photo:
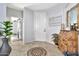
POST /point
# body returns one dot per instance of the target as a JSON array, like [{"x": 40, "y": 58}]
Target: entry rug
[{"x": 36, "y": 51}]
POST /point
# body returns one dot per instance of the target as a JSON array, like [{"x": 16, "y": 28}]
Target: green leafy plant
[
  {"x": 55, "y": 38},
  {"x": 7, "y": 29}
]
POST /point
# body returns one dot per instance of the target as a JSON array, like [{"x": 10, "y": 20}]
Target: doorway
[{"x": 17, "y": 28}]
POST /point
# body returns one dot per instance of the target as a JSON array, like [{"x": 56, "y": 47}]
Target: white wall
[
  {"x": 28, "y": 25},
  {"x": 56, "y": 11},
  {"x": 40, "y": 24}
]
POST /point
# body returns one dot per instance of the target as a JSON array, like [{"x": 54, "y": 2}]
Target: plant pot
[
  {"x": 5, "y": 48},
  {"x": 56, "y": 43}
]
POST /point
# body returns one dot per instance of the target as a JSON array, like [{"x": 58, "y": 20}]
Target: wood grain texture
[{"x": 68, "y": 41}]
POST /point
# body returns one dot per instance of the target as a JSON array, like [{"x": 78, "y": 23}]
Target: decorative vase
[{"x": 5, "y": 48}]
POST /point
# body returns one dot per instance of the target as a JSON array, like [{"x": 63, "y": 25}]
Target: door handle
[{"x": 44, "y": 30}]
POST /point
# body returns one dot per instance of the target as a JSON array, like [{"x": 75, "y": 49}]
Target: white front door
[{"x": 40, "y": 26}]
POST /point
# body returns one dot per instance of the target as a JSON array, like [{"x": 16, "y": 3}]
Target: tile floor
[{"x": 20, "y": 49}]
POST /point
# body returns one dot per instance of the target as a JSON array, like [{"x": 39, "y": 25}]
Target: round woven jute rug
[{"x": 36, "y": 51}]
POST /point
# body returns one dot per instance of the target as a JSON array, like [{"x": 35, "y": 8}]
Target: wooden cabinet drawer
[{"x": 68, "y": 41}]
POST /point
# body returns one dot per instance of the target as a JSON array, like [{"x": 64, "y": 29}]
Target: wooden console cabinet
[{"x": 68, "y": 41}]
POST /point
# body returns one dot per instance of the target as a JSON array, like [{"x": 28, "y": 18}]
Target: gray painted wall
[
  {"x": 13, "y": 12},
  {"x": 2, "y": 16},
  {"x": 2, "y": 12},
  {"x": 28, "y": 25}
]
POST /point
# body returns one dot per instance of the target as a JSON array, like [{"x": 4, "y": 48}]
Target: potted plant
[
  {"x": 55, "y": 38},
  {"x": 6, "y": 33}
]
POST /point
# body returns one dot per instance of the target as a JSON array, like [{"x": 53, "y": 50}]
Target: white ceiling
[
  {"x": 42, "y": 6},
  {"x": 33, "y": 6},
  {"x": 18, "y": 6}
]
